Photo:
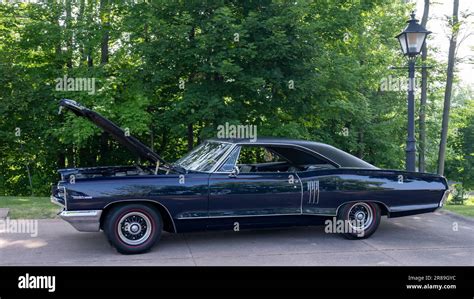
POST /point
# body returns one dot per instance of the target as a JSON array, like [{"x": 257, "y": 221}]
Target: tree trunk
[
  {"x": 104, "y": 148},
  {"x": 448, "y": 89},
  {"x": 104, "y": 45},
  {"x": 145, "y": 30},
  {"x": 190, "y": 137},
  {"x": 199, "y": 132},
  {"x": 61, "y": 156},
  {"x": 57, "y": 48},
  {"x": 90, "y": 58},
  {"x": 70, "y": 156},
  {"x": 80, "y": 20},
  {"x": 191, "y": 76},
  {"x": 69, "y": 34},
  {"x": 152, "y": 140},
  {"x": 61, "y": 160},
  {"x": 423, "y": 98},
  {"x": 360, "y": 141},
  {"x": 164, "y": 141}
]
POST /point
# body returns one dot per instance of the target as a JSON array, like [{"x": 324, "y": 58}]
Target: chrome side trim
[
  {"x": 83, "y": 221},
  {"x": 313, "y": 189},
  {"x": 317, "y": 189},
  {"x": 237, "y": 216},
  {"x": 318, "y": 214},
  {"x": 147, "y": 200},
  {"x": 310, "y": 191},
  {"x": 302, "y": 192},
  {"x": 81, "y": 197},
  {"x": 261, "y": 215},
  {"x": 414, "y": 207}
]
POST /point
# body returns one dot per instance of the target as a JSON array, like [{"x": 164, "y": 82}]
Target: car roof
[{"x": 340, "y": 157}]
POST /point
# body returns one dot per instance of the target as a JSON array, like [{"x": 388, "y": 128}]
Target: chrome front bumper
[
  {"x": 83, "y": 221},
  {"x": 57, "y": 201}
]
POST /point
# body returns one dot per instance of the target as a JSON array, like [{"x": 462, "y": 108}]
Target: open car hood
[{"x": 130, "y": 142}]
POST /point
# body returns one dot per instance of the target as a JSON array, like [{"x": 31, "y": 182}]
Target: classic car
[{"x": 235, "y": 184}]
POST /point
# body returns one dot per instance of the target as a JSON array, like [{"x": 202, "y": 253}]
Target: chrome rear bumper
[
  {"x": 444, "y": 198},
  {"x": 83, "y": 221}
]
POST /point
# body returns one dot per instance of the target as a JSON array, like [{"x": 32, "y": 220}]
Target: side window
[
  {"x": 230, "y": 162},
  {"x": 318, "y": 167},
  {"x": 301, "y": 160},
  {"x": 257, "y": 155},
  {"x": 254, "y": 158}
]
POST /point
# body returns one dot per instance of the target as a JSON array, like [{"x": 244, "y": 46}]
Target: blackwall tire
[{"x": 363, "y": 219}]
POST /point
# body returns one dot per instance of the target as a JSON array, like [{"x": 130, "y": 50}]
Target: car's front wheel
[
  {"x": 361, "y": 219},
  {"x": 133, "y": 228}
]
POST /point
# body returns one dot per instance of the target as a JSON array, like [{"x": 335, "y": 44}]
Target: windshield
[{"x": 204, "y": 157}]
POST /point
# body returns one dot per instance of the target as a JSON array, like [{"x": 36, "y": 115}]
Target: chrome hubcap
[
  {"x": 360, "y": 216},
  {"x": 134, "y": 228}
]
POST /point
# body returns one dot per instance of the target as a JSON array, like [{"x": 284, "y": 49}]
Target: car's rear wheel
[
  {"x": 362, "y": 219},
  {"x": 133, "y": 228}
]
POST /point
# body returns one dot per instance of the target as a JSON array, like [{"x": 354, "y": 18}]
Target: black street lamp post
[{"x": 411, "y": 42}]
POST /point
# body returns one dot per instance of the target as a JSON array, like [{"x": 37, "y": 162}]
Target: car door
[
  {"x": 319, "y": 191},
  {"x": 251, "y": 195}
]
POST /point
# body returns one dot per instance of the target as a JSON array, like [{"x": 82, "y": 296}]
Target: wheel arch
[
  {"x": 168, "y": 222},
  {"x": 384, "y": 210}
]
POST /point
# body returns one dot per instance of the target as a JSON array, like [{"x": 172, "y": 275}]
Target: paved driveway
[{"x": 428, "y": 239}]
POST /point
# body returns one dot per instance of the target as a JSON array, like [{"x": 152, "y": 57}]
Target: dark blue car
[{"x": 236, "y": 184}]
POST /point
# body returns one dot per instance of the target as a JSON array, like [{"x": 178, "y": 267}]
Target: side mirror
[{"x": 235, "y": 172}]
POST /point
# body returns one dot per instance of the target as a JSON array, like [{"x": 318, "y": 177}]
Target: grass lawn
[
  {"x": 466, "y": 210},
  {"x": 26, "y": 207}
]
